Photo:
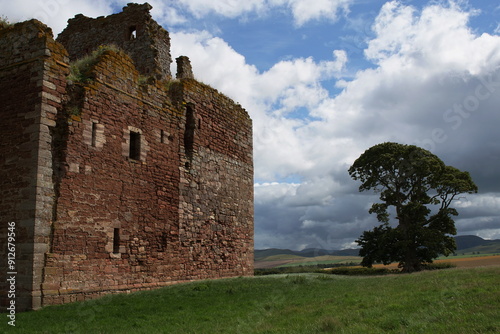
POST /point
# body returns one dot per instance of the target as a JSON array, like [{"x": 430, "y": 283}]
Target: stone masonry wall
[
  {"x": 33, "y": 70},
  {"x": 117, "y": 183},
  {"x": 216, "y": 193},
  {"x": 149, "y": 200},
  {"x": 103, "y": 189},
  {"x": 132, "y": 30}
]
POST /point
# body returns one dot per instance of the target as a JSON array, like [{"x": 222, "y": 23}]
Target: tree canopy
[{"x": 421, "y": 189}]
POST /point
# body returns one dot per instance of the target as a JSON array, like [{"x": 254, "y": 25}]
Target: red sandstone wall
[
  {"x": 181, "y": 209},
  {"x": 101, "y": 188},
  {"x": 33, "y": 71},
  {"x": 175, "y": 223},
  {"x": 216, "y": 220}
]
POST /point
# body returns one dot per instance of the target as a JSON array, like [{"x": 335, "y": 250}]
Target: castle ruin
[{"x": 119, "y": 177}]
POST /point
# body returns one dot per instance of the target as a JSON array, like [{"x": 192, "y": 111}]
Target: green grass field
[{"x": 443, "y": 301}]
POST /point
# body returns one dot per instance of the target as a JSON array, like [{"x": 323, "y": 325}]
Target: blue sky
[{"x": 325, "y": 80}]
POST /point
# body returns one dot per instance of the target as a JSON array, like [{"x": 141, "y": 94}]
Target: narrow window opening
[
  {"x": 94, "y": 134},
  {"x": 163, "y": 137},
  {"x": 189, "y": 131},
  {"x": 162, "y": 242},
  {"x": 116, "y": 240},
  {"x": 135, "y": 145},
  {"x": 199, "y": 123},
  {"x": 132, "y": 33}
]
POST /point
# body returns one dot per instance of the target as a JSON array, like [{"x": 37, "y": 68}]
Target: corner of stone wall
[{"x": 34, "y": 68}]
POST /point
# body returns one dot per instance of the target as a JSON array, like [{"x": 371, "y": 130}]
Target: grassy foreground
[{"x": 443, "y": 301}]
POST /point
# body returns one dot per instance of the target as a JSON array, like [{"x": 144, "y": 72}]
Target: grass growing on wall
[
  {"x": 80, "y": 70},
  {"x": 442, "y": 301},
  {"x": 4, "y": 22}
]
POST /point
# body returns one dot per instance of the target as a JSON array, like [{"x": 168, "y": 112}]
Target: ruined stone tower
[
  {"x": 132, "y": 30},
  {"x": 121, "y": 178}
]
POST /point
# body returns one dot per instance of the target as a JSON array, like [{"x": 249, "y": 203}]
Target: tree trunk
[{"x": 410, "y": 262}]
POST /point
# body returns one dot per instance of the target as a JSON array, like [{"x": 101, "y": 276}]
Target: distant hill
[
  {"x": 313, "y": 252},
  {"x": 468, "y": 244},
  {"x": 263, "y": 253},
  {"x": 469, "y": 241},
  {"x": 465, "y": 244}
]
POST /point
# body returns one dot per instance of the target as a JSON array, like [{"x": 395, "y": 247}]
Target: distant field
[
  {"x": 462, "y": 262},
  {"x": 468, "y": 256},
  {"x": 474, "y": 261},
  {"x": 326, "y": 259},
  {"x": 286, "y": 260},
  {"x": 458, "y": 301}
]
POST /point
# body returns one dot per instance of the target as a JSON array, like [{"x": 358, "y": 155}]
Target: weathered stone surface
[
  {"x": 132, "y": 30},
  {"x": 117, "y": 184},
  {"x": 184, "y": 70},
  {"x": 27, "y": 113}
]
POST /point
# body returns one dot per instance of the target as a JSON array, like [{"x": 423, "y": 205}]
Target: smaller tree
[{"x": 421, "y": 189}]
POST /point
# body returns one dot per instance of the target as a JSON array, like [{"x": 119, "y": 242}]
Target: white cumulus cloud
[
  {"x": 54, "y": 13},
  {"x": 302, "y": 11}
]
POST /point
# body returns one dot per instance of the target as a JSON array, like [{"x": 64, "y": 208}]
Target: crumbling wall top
[
  {"x": 146, "y": 7},
  {"x": 27, "y": 41},
  {"x": 184, "y": 69},
  {"x": 132, "y": 30}
]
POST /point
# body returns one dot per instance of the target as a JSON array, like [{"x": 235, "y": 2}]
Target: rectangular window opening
[
  {"x": 132, "y": 33},
  {"x": 163, "y": 138},
  {"x": 94, "y": 134},
  {"x": 189, "y": 131},
  {"x": 135, "y": 145},
  {"x": 116, "y": 240}
]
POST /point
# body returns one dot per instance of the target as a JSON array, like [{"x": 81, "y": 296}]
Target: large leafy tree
[{"x": 418, "y": 188}]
